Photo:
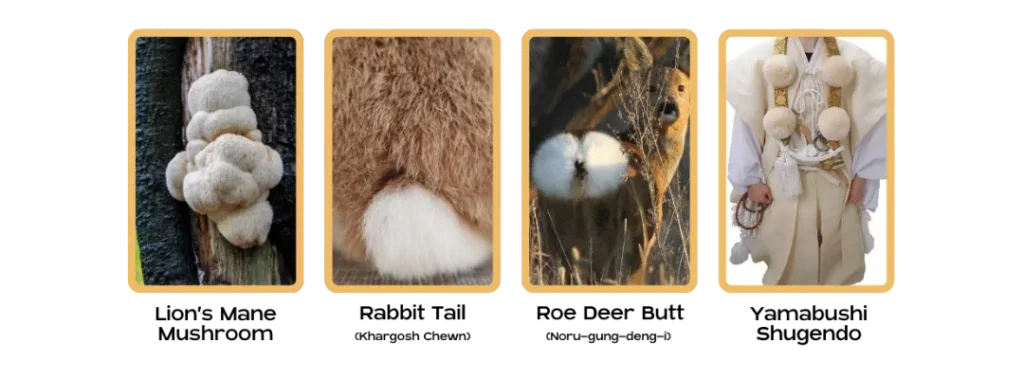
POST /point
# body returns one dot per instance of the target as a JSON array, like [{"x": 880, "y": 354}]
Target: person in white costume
[{"x": 808, "y": 151}]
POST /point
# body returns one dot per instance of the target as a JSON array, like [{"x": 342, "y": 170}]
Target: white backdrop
[{"x": 750, "y": 273}]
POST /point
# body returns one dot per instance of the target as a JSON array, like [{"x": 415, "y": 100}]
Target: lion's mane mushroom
[{"x": 226, "y": 172}]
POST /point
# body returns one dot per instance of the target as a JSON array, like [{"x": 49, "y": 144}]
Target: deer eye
[{"x": 682, "y": 88}]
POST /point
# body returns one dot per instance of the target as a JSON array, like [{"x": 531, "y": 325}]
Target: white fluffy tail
[
  {"x": 411, "y": 233},
  {"x": 568, "y": 168}
]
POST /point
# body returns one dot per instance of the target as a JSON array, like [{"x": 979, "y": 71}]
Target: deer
[
  {"x": 412, "y": 154},
  {"x": 607, "y": 174}
]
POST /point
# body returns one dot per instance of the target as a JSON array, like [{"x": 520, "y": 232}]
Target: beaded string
[{"x": 757, "y": 211}]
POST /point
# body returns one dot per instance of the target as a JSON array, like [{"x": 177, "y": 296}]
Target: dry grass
[
  {"x": 593, "y": 243},
  {"x": 668, "y": 263}
]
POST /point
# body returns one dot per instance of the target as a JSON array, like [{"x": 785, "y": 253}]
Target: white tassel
[
  {"x": 869, "y": 240},
  {"x": 740, "y": 252},
  {"x": 787, "y": 176}
]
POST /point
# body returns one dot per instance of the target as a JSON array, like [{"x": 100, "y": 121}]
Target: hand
[
  {"x": 760, "y": 193},
  {"x": 856, "y": 191}
]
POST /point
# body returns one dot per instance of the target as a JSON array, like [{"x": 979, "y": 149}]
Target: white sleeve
[
  {"x": 869, "y": 162},
  {"x": 744, "y": 157}
]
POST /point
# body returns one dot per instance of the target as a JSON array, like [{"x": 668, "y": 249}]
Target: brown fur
[
  {"x": 411, "y": 110},
  {"x": 630, "y": 220},
  {"x": 657, "y": 154}
]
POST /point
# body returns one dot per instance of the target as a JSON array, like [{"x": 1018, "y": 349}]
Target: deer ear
[
  {"x": 636, "y": 55},
  {"x": 682, "y": 61}
]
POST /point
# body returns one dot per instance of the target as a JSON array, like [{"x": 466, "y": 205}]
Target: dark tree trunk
[
  {"x": 161, "y": 221},
  {"x": 269, "y": 66},
  {"x": 562, "y": 83}
]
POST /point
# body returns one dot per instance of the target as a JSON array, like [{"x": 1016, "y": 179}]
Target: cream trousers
[{"x": 813, "y": 239}]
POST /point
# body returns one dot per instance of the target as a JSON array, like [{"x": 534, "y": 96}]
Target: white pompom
[
  {"x": 779, "y": 71},
  {"x": 834, "y": 123},
  {"x": 836, "y": 71},
  {"x": 779, "y": 122}
]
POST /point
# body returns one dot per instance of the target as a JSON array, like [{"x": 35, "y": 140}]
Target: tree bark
[
  {"x": 269, "y": 66},
  {"x": 161, "y": 221}
]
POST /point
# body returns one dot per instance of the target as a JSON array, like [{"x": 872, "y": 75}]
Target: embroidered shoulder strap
[
  {"x": 835, "y": 94},
  {"x": 781, "y": 94}
]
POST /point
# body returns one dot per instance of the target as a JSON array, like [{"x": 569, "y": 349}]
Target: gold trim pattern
[
  {"x": 780, "y": 45},
  {"x": 781, "y": 97},
  {"x": 828, "y": 164},
  {"x": 831, "y": 46},
  {"x": 835, "y": 94},
  {"x": 781, "y": 93}
]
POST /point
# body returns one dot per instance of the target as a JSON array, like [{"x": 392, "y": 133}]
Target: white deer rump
[{"x": 567, "y": 167}]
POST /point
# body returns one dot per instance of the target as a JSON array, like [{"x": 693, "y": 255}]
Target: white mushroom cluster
[{"x": 226, "y": 172}]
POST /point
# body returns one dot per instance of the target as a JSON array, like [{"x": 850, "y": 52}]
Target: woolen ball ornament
[
  {"x": 836, "y": 71},
  {"x": 779, "y": 122},
  {"x": 779, "y": 71},
  {"x": 834, "y": 123}
]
